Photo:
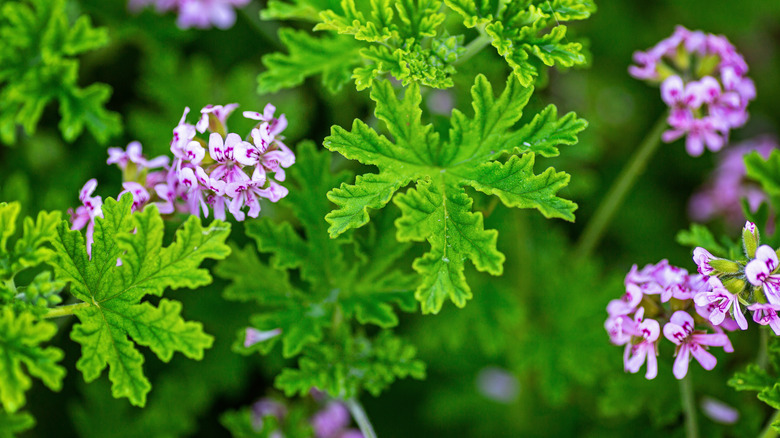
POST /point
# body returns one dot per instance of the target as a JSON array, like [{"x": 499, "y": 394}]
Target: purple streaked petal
[
  {"x": 675, "y": 333},
  {"x": 766, "y": 254},
  {"x": 756, "y": 271}
]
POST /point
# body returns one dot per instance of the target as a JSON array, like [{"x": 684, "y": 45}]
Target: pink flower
[
  {"x": 703, "y": 108},
  {"x": 133, "y": 155},
  {"x": 91, "y": 208},
  {"x": 201, "y": 14},
  {"x": 680, "y": 330},
  {"x": 620, "y": 328},
  {"x": 138, "y": 192},
  {"x": 637, "y": 352},
  {"x": 724, "y": 190},
  {"x": 766, "y": 314},
  {"x": 702, "y": 259},
  {"x": 759, "y": 272},
  {"x": 219, "y": 113},
  {"x": 663, "y": 279},
  {"x": 721, "y": 301},
  {"x": 254, "y": 336},
  {"x": 627, "y": 303}
]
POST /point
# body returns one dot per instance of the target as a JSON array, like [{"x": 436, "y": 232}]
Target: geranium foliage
[
  {"x": 438, "y": 209},
  {"x": 38, "y": 65},
  {"x": 359, "y": 282},
  {"x": 129, "y": 263}
]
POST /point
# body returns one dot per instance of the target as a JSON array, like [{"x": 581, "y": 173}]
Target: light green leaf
[
  {"x": 37, "y": 66},
  {"x": 12, "y": 424},
  {"x": 333, "y": 57},
  {"x": 517, "y": 31},
  {"x": 20, "y": 339},
  {"x": 357, "y": 363},
  {"x": 438, "y": 210},
  {"x": 113, "y": 316},
  {"x": 357, "y": 281}
]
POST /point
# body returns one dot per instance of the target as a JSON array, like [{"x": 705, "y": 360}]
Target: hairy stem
[
  {"x": 597, "y": 224},
  {"x": 769, "y": 431},
  {"x": 359, "y": 414},
  {"x": 56, "y": 312},
  {"x": 689, "y": 407}
]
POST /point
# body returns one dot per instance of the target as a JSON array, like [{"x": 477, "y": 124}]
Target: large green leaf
[{"x": 438, "y": 209}]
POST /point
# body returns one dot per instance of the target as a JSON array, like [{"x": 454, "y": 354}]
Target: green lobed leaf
[
  {"x": 438, "y": 209},
  {"x": 12, "y": 424},
  {"x": 332, "y": 56},
  {"x": 754, "y": 378},
  {"x": 37, "y": 66},
  {"x": 342, "y": 370},
  {"x": 20, "y": 339},
  {"x": 699, "y": 235},
  {"x": 518, "y": 31},
  {"x": 112, "y": 317},
  {"x": 308, "y": 10},
  {"x": 359, "y": 280}
]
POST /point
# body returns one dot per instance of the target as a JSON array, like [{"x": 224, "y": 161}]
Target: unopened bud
[
  {"x": 724, "y": 266},
  {"x": 750, "y": 239},
  {"x": 734, "y": 285}
]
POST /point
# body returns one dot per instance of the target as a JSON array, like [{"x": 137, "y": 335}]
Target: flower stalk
[
  {"x": 359, "y": 414},
  {"x": 597, "y": 224},
  {"x": 689, "y": 408}
]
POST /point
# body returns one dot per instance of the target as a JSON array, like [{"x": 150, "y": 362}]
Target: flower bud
[
  {"x": 750, "y": 239},
  {"x": 723, "y": 266},
  {"x": 734, "y": 285}
]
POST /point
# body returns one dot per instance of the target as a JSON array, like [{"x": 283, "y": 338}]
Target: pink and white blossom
[
  {"x": 766, "y": 314},
  {"x": 680, "y": 330},
  {"x": 704, "y": 106},
  {"x": 760, "y": 272},
  {"x": 84, "y": 215},
  {"x": 721, "y": 301},
  {"x": 643, "y": 350}
]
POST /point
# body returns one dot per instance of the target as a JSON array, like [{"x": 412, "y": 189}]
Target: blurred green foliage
[{"x": 541, "y": 322}]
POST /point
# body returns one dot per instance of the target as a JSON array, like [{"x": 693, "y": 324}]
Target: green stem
[
  {"x": 689, "y": 407},
  {"x": 762, "y": 358},
  {"x": 359, "y": 414},
  {"x": 769, "y": 431},
  {"x": 56, "y": 312},
  {"x": 475, "y": 46},
  {"x": 595, "y": 228}
]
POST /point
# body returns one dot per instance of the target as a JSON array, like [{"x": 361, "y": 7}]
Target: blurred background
[{"x": 528, "y": 356}]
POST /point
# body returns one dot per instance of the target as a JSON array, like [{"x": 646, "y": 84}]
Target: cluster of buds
[
  {"x": 703, "y": 80},
  {"x": 233, "y": 176},
  {"x": 201, "y": 14},
  {"x": 722, "y": 194},
  {"x": 696, "y": 309}
]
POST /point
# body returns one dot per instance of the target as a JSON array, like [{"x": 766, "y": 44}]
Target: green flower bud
[
  {"x": 750, "y": 239},
  {"x": 723, "y": 266}
]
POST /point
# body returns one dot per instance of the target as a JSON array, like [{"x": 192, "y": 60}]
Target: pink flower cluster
[
  {"x": 234, "y": 175},
  {"x": 635, "y": 319},
  {"x": 721, "y": 195},
  {"x": 712, "y": 300},
  {"x": 703, "y": 80},
  {"x": 200, "y": 14}
]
